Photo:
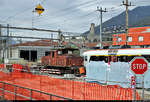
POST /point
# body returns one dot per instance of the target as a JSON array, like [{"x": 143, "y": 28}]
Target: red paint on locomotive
[{"x": 62, "y": 58}]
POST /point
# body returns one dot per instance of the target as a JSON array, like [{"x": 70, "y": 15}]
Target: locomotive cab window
[
  {"x": 69, "y": 52},
  {"x": 53, "y": 54},
  {"x": 59, "y": 52},
  {"x": 85, "y": 58},
  {"x": 47, "y": 53}
]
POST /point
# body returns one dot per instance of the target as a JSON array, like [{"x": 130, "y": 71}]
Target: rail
[{"x": 31, "y": 91}]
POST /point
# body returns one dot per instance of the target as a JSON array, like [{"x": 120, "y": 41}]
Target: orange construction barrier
[
  {"x": 2, "y": 66},
  {"x": 82, "y": 70},
  {"x": 76, "y": 90}
]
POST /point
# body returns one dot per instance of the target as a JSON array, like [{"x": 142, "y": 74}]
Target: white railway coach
[
  {"x": 115, "y": 55},
  {"x": 113, "y": 64}
]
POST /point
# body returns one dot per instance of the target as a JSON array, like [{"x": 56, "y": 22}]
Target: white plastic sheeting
[
  {"x": 147, "y": 78},
  {"x": 139, "y": 79},
  {"x": 96, "y": 71},
  {"x": 119, "y": 72}
]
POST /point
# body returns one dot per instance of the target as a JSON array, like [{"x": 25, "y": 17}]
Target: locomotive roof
[{"x": 65, "y": 48}]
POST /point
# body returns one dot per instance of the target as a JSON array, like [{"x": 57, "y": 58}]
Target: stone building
[{"x": 93, "y": 37}]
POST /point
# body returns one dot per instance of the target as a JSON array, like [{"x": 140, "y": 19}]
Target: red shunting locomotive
[{"x": 63, "y": 61}]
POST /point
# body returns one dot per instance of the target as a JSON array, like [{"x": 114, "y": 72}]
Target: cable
[
  {"x": 71, "y": 18},
  {"x": 70, "y": 9},
  {"x": 75, "y": 24},
  {"x": 90, "y": 13},
  {"x": 18, "y": 13}
]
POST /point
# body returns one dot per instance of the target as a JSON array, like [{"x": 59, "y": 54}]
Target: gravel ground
[{"x": 146, "y": 94}]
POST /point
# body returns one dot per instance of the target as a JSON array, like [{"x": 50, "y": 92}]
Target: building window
[
  {"x": 129, "y": 39},
  {"x": 140, "y": 38},
  {"x": 119, "y": 39}
]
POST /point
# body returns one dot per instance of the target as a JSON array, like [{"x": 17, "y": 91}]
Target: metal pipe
[
  {"x": 50, "y": 97},
  {"x": 15, "y": 92},
  {"x": 36, "y": 29},
  {"x": 30, "y": 94},
  {"x": 30, "y": 37},
  {"x": 143, "y": 87},
  {"x": 31, "y": 90},
  {"x": 3, "y": 90}
]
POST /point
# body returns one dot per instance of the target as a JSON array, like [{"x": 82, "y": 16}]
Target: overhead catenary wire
[
  {"x": 64, "y": 12},
  {"x": 44, "y": 15},
  {"x": 107, "y": 13},
  {"x": 81, "y": 16},
  {"x": 21, "y": 12},
  {"x": 86, "y": 15}
]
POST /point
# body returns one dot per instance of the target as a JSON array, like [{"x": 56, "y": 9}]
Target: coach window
[
  {"x": 114, "y": 58},
  {"x": 122, "y": 58},
  {"x": 106, "y": 59},
  {"x": 97, "y": 58},
  {"x": 140, "y": 38},
  {"x": 93, "y": 58},
  {"x": 147, "y": 57},
  {"x": 101, "y": 58},
  {"x": 129, "y": 58}
]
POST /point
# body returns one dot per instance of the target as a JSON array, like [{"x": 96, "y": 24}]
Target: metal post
[
  {"x": 101, "y": 12},
  {"x": 134, "y": 95},
  {"x": 30, "y": 56},
  {"x": 50, "y": 97},
  {"x": 127, "y": 22},
  {"x": 3, "y": 90},
  {"x": 4, "y": 46},
  {"x": 0, "y": 41},
  {"x": 15, "y": 92},
  {"x": 101, "y": 29},
  {"x": 127, "y": 19},
  {"x": 30, "y": 94},
  {"x": 84, "y": 91},
  {"x": 72, "y": 89},
  {"x": 106, "y": 75},
  {"x": 143, "y": 87},
  {"x": 10, "y": 46},
  {"x": 7, "y": 41}
]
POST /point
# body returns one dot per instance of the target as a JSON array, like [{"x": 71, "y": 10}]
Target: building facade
[{"x": 139, "y": 36}]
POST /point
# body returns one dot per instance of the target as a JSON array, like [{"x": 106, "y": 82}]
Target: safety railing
[{"x": 31, "y": 92}]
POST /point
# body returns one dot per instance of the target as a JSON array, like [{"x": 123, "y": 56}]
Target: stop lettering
[{"x": 139, "y": 65}]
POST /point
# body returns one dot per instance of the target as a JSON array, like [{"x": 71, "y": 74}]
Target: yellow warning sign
[{"x": 39, "y": 9}]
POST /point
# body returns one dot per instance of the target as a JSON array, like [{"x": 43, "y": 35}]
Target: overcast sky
[{"x": 66, "y": 15}]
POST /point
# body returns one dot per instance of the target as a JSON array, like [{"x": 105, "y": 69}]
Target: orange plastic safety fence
[
  {"x": 61, "y": 87},
  {"x": 2, "y": 66}
]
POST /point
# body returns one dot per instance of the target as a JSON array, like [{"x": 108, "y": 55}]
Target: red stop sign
[{"x": 139, "y": 65}]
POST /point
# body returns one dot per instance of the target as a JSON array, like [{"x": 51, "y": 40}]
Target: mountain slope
[{"x": 139, "y": 16}]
